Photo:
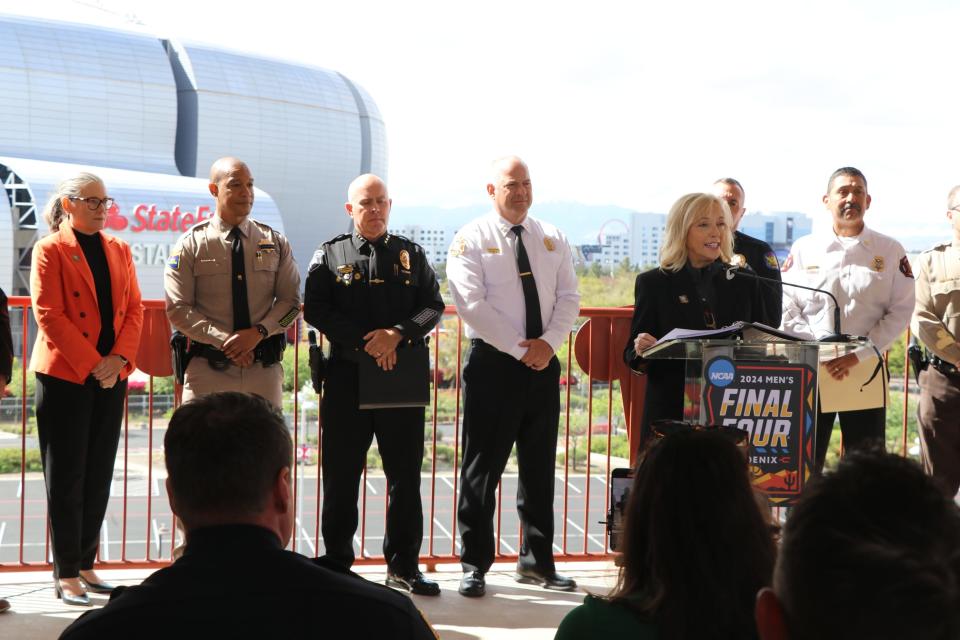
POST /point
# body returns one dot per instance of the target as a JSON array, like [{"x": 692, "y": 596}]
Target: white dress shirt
[
  {"x": 870, "y": 276},
  {"x": 485, "y": 281}
]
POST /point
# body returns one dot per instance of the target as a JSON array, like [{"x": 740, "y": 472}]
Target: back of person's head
[
  {"x": 696, "y": 546},
  {"x": 224, "y": 454},
  {"x": 871, "y": 550}
]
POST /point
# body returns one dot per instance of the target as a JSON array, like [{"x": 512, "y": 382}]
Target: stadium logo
[{"x": 151, "y": 218}]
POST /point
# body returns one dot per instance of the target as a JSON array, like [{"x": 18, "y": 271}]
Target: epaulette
[
  {"x": 342, "y": 236},
  {"x": 943, "y": 246}
]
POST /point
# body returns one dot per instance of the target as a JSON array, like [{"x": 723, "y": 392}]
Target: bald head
[
  {"x": 231, "y": 183},
  {"x": 223, "y": 166},
  {"x": 369, "y": 206},
  {"x": 363, "y": 182},
  {"x": 510, "y": 188}
]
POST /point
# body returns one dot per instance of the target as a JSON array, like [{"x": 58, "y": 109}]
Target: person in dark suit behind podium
[
  {"x": 689, "y": 290},
  {"x": 371, "y": 293},
  {"x": 228, "y": 457}
]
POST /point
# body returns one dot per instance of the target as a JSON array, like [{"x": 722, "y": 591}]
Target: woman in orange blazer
[{"x": 87, "y": 304}]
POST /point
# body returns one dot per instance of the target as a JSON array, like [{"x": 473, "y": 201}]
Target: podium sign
[
  {"x": 775, "y": 403},
  {"x": 760, "y": 380}
]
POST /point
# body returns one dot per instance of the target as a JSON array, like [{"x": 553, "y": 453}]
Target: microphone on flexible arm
[{"x": 734, "y": 271}]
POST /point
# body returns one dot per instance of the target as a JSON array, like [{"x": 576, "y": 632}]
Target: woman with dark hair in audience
[
  {"x": 696, "y": 548},
  {"x": 87, "y": 304},
  {"x": 688, "y": 290}
]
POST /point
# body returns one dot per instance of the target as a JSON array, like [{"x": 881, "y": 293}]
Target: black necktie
[
  {"x": 531, "y": 301},
  {"x": 241, "y": 308}
]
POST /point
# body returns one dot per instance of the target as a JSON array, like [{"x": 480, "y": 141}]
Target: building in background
[
  {"x": 778, "y": 229},
  {"x": 150, "y": 115},
  {"x": 434, "y": 240}
]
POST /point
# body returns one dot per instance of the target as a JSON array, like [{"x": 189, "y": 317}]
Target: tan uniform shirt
[
  {"x": 936, "y": 316},
  {"x": 197, "y": 280}
]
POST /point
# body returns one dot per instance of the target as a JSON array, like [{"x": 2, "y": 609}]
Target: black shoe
[
  {"x": 546, "y": 579},
  {"x": 473, "y": 584},
  {"x": 414, "y": 582},
  {"x": 4, "y": 605},
  {"x": 81, "y": 600},
  {"x": 97, "y": 587}
]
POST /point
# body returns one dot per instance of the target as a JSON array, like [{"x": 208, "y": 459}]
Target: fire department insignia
[
  {"x": 548, "y": 243},
  {"x": 905, "y": 267},
  {"x": 405, "y": 259},
  {"x": 771, "y": 259},
  {"x": 878, "y": 263}
]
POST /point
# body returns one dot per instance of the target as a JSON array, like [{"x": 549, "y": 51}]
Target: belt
[
  {"x": 215, "y": 357},
  {"x": 944, "y": 367}
]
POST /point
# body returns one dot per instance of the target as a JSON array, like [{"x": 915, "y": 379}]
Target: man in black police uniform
[
  {"x": 371, "y": 293},
  {"x": 753, "y": 251},
  {"x": 228, "y": 457}
]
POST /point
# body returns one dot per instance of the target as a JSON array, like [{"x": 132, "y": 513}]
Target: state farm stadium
[{"x": 149, "y": 115}]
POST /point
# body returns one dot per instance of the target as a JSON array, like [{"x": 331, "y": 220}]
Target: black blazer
[
  {"x": 665, "y": 300},
  {"x": 6, "y": 339},
  {"x": 236, "y": 581}
]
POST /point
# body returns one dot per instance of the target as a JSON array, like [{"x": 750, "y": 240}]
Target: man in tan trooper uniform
[
  {"x": 233, "y": 288},
  {"x": 936, "y": 323}
]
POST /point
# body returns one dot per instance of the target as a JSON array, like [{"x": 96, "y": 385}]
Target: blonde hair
[
  {"x": 53, "y": 213},
  {"x": 683, "y": 214}
]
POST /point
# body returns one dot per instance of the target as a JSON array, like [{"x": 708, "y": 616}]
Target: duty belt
[{"x": 944, "y": 367}]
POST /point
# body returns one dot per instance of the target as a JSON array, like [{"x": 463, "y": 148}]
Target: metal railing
[{"x": 138, "y": 529}]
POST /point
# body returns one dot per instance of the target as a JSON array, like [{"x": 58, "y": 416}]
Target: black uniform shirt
[
  {"x": 761, "y": 258},
  {"x": 355, "y": 286}
]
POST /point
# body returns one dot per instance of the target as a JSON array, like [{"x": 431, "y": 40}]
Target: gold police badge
[
  {"x": 345, "y": 274},
  {"x": 405, "y": 259}
]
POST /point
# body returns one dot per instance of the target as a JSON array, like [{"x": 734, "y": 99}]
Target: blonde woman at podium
[{"x": 689, "y": 290}]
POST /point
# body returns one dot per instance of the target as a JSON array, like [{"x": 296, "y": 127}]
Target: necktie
[
  {"x": 531, "y": 301},
  {"x": 241, "y": 308}
]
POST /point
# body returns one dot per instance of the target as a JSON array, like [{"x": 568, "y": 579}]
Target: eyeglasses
[{"x": 94, "y": 203}]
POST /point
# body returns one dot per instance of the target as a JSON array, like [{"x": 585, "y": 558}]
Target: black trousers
[
  {"x": 506, "y": 402},
  {"x": 347, "y": 434},
  {"x": 863, "y": 429},
  {"x": 78, "y": 426}
]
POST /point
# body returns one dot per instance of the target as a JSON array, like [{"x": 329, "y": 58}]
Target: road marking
[
  {"x": 306, "y": 538},
  {"x": 449, "y": 484},
  {"x": 590, "y": 536},
  {"x": 456, "y": 543},
  {"x": 19, "y": 488},
  {"x": 156, "y": 534},
  {"x": 105, "y": 542},
  {"x": 3, "y": 528},
  {"x": 370, "y": 488},
  {"x": 507, "y": 544}
]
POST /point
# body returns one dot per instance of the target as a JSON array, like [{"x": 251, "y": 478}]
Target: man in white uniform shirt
[
  {"x": 514, "y": 286},
  {"x": 870, "y": 276}
]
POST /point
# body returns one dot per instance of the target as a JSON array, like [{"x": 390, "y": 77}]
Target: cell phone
[{"x": 620, "y": 482}]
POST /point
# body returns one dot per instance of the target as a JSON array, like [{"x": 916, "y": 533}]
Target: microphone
[{"x": 733, "y": 271}]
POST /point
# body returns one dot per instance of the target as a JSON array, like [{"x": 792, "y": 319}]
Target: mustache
[{"x": 851, "y": 205}]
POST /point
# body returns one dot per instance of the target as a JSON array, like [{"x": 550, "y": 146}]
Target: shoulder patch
[
  {"x": 905, "y": 267},
  {"x": 787, "y": 263},
  {"x": 770, "y": 258},
  {"x": 173, "y": 262},
  {"x": 290, "y": 317},
  {"x": 458, "y": 247}
]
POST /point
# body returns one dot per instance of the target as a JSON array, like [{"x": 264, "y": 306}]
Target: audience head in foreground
[
  {"x": 696, "y": 547},
  {"x": 228, "y": 457},
  {"x": 871, "y": 550}
]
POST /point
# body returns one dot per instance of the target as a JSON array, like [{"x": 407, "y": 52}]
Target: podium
[{"x": 762, "y": 381}]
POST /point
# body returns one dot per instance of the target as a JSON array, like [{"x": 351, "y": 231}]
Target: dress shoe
[
  {"x": 81, "y": 600},
  {"x": 546, "y": 579},
  {"x": 414, "y": 582},
  {"x": 473, "y": 584},
  {"x": 97, "y": 587},
  {"x": 4, "y": 604}
]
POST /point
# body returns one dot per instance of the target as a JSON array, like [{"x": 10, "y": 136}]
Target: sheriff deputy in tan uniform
[
  {"x": 936, "y": 323},
  {"x": 232, "y": 287}
]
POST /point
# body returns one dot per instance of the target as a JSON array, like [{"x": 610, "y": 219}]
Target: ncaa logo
[{"x": 720, "y": 372}]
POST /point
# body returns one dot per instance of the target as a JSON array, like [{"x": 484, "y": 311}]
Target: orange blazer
[{"x": 65, "y": 305}]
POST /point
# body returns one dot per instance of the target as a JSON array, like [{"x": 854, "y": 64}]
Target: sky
[{"x": 625, "y": 103}]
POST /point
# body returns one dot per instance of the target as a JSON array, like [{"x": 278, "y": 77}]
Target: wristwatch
[{"x": 263, "y": 330}]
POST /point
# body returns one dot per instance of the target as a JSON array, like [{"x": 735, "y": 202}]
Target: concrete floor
[{"x": 509, "y": 610}]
